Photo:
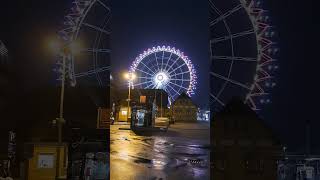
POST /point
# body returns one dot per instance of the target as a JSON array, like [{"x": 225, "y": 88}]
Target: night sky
[{"x": 138, "y": 25}]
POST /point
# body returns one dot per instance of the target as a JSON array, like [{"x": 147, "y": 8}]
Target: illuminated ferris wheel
[
  {"x": 88, "y": 23},
  {"x": 243, "y": 53},
  {"x": 165, "y": 68}
]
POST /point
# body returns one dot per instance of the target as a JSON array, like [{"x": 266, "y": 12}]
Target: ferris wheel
[
  {"x": 165, "y": 68},
  {"x": 243, "y": 53},
  {"x": 89, "y": 23}
]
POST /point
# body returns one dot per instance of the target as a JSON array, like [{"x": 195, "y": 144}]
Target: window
[{"x": 143, "y": 99}]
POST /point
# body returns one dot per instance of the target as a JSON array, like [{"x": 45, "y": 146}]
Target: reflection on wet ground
[{"x": 165, "y": 155}]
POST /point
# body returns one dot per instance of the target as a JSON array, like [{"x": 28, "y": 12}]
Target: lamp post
[
  {"x": 66, "y": 51},
  {"x": 130, "y": 77}
]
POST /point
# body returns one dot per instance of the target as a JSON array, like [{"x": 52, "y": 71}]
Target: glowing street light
[{"x": 130, "y": 77}]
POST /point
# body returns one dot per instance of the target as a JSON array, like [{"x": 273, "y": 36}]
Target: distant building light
[
  {"x": 143, "y": 99},
  {"x": 203, "y": 115},
  {"x": 124, "y": 113}
]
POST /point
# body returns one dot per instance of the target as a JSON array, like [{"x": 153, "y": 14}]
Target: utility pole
[
  {"x": 161, "y": 103},
  {"x": 60, "y": 120},
  {"x": 130, "y": 77},
  {"x": 66, "y": 50},
  {"x": 128, "y": 107}
]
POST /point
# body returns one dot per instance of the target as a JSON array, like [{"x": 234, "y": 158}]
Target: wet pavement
[{"x": 180, "y": 153}]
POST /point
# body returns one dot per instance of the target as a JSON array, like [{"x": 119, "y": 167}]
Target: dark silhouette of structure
[
  {"x": 244, "y": 148},
  {"x": 184, "y": 109}
]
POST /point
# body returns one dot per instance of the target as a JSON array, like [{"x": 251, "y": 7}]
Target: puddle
[
  {"x": 200, "y": 146},
  {"x": 189, "y": 154},
  {"x": 139, "y": 160},
  {"x": 158, "y": 164}
]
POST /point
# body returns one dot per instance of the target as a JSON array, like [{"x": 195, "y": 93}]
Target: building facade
[
  {"x": 143, "y": 97},
  {"x": 244, "y": 148},
  {"x": 183, "y": 109}
]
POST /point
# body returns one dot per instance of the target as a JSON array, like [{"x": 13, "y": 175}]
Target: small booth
[{"x": 141, "y": 116}]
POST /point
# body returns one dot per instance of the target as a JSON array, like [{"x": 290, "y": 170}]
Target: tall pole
[
  {"x": 161, "y": 102},
  {"x": 62, "y": 99},
  {"x": 60, "y": 120},
  {"x": 128, "y": 108}
]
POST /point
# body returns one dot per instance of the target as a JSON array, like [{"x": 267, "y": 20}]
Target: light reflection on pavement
[{"x": 180, "y": 153}]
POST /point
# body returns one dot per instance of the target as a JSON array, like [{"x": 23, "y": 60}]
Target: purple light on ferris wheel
[{"x": 167, "y": 68}]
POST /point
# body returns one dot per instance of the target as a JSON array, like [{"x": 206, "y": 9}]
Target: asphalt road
[{"x": 183, "y": 152}]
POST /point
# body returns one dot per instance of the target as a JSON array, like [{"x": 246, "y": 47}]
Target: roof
[
  {"x": 184, "y": 96},
  {"x": 246, "y": 120}
]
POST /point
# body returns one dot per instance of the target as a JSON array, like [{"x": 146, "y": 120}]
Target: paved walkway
[{"x": 182, "y": 152}]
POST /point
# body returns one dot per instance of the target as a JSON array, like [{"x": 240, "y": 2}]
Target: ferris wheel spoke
[
  {"x": 250, "y": 59},
  {"x": 180, "y": 79},
  {"x": 143, "y": 72},
  {"x": 144, "y": 77},
  {"x": 230, "y": 80},
  {"x": 232, "y": 36},
  {"x": 147, "y": 67},
  {"x": 162, "y": 59},
  {"x": 178, "y": 85},
  {"x": 94, "y": 71},
  {"x": 185, "y": 72},
  {"x": 149, "y": 86},
  {"x": 176, "y": 69},
  {"x": 173, "y": 89},
  {"x": 96, "y": 28},
  {"x": 165, "y": 67},
  {"x": 139, "y": 84},
  {"x": 174, "y": 62},
  {"x": 155, "y": 56},
  {"x": 224, "y": 16},
  {"x": 217, "y": 99},
  {"x": 211, "y": 4},
  {"x": 105, "y": 6}
]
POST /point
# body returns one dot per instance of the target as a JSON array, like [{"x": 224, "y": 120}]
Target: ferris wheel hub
[{"x": 161, "y": 79}]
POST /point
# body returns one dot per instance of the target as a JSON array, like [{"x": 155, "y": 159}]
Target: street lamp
[
  {"x": 130, "y": 77},
  {"x": 66, "y": 50}
]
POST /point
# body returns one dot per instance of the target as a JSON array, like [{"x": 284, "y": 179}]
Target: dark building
[
  {"x": 121, "y": 96},
  {"x": 144, "y": 97},
  {"x": 244, "y": 148},
  {"x": 183, "y": 109}
]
